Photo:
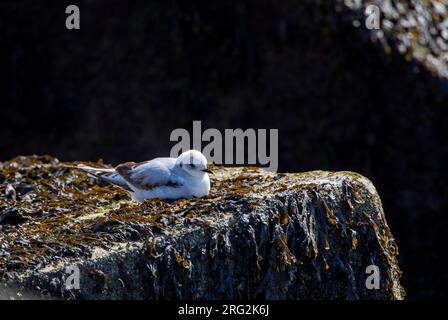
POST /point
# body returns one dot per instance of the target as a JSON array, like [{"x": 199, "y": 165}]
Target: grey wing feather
[
  {"x": 114, "y": 178},
  {"x": 106, "y": 174},
  {"x": 150, "y": 174}
]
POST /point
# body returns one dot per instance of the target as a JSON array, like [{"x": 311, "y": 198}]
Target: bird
[{"x": 186, "y": 176}]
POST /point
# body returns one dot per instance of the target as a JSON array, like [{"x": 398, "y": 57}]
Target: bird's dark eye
[{"x": 192, "y": 166}]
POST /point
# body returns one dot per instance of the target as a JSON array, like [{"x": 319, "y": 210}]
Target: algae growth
[{"x": 256, "y": 235}]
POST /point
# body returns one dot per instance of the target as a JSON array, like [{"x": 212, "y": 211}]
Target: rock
[
  {"x": 424, "y": 22},
  {"x": 11, "y": 216},
  {"x": 258, "y": 235},
  {"x": 10, "y": 192}
]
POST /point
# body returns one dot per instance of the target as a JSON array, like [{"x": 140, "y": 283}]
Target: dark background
[{"x": 139, "y": 69}]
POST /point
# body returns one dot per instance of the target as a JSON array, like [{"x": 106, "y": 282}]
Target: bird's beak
[{"x": 208, "y": 171}]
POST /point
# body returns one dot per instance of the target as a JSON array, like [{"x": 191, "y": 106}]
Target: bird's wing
[
  {"x": 150, "y": 174},
  {"x": 106, "y": 174}
]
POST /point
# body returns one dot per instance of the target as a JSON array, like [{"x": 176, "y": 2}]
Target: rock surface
[
  {"x": 418, "y": 30},
  {"x": 257, "y": 235}
]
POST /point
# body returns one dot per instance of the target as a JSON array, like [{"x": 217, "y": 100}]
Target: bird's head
[{"x": 193, "y": 162}]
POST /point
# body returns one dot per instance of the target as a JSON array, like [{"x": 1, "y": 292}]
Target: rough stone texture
[{"x": 257, "y": 235}]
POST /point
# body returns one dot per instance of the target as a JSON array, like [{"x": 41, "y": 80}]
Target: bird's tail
[
  {"x": 106, "y": 174},
  {"x": 92, "y": 170}
]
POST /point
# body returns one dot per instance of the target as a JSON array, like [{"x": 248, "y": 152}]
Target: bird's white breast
[{"x": 191, "y": 187}]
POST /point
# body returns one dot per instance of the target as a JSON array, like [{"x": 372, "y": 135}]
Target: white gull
[{"x": 166, "y": 178}]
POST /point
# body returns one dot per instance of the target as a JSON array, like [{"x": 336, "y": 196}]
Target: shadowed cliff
[{"x": 257, "y": 235}]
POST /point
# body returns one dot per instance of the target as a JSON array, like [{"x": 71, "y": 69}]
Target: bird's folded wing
[{"x": 150, "y": 174}]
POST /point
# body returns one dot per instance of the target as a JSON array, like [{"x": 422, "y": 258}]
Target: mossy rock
[{"x": 258, "y": 235}]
